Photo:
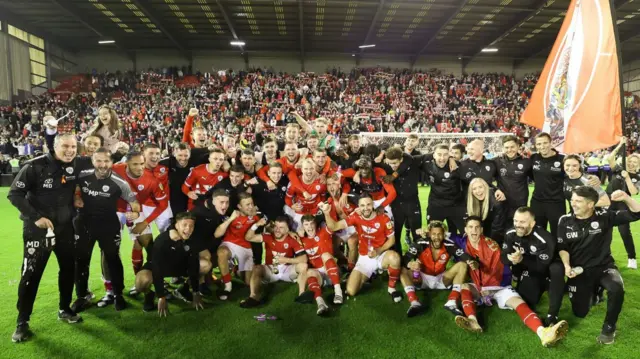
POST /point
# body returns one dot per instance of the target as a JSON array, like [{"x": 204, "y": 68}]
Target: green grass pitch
[{"x": 368, "y": 326}]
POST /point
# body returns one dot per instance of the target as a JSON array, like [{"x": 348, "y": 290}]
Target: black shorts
[{"x": 167, "y": 272}]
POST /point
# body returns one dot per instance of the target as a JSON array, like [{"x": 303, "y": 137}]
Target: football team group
[{"x": 307, "y": 211}]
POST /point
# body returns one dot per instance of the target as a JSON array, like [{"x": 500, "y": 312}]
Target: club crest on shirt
[
  {"x": 503, "y": 172},
  {"x": 443, "y": 257},
  {"x": 105, "y": 188},
  {"x": 377, "y": 225},
  {"x": 468, "y": 175},
  {"x": 316, "y": 238},
  {"x": 163, "y": 170},
  {"x": 487, "y": 168},
  {"x": 317, "y": 188},
  {"x": 69, "y": 170},
  {"x": 533, "y": 249},
  {"x": 140, "y": 187},
  {"x": 219, "y": 178},
  {"x": 446, "y": 175},
  {"x": 556, "y": 164},
  {"x": 286, "y": 246},
  {"x": 595, "y": 225},
  {"x": 520, "y": 166}
]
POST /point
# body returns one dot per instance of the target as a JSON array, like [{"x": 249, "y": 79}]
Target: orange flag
[{"x": 577, "y": 98}]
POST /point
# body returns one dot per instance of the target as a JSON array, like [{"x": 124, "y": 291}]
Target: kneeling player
[
  {"x": 375, "y": 238},
  {"x": 285, "y": 259},
  {"x": 492, "y": 281},
  {"x": 323, "y": 267},
  {"x": 427, "y": 260},
  {"x": 234, "y": 246},
  {"x": 172, "y": 257}
]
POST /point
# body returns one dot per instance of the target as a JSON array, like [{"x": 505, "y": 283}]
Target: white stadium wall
[{"x": 113, "y": 60}]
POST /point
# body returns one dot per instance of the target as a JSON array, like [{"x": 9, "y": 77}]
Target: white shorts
[
  {"x": 163, "y": 220},
  {"x": 432, "y": 282},
  {"x": 123, "y": 223},
  {"x": 346, "y": 233},
  {"x": 500, "y": 294},
  {"x": 243, "y": 255},
  {"x": 367, "y": 266},
  {"x": 286, "y": 273},
  {"x": 387, "y": 209}
]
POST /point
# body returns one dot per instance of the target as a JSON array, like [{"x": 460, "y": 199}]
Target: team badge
[
  {"x": 520, "y": 166},
  {"x": 316, "y": 238},
  {"x": 595, "y": 225},
  {"x": 487, "y": 168},
  {"x": 284, "y": 188},
  {"x": 69, "y": 170},
  {"x": 377, "y": 225},
  {"x": 186, "y": 248},
  {"x": 31, "y": 251},
  {"x": 557, "y": 164},
  {"x": 503, "y": 172},
  {"x": 446, "y": 175},
  {"x": 533, "y": 249},
  {"x": 140, "y": 187},
  {"x": 20, "y": 184},
  {"x": 317, "y": 188},
  {"x": 163, "y": 170},
  {"x": 105, "y": 188},
  {"x": 443, "y": 257},
  {"x": 468, "y": 175},
  {"x": 286, "y": 246},
  {"x": 504, "y": 246}
]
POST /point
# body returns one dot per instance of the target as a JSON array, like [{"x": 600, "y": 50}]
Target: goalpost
[{"x": 427, "y": 141}]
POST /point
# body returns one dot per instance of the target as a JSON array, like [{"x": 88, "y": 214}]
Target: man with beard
[
  {"x": 96, "y": 197},
  {"x": 531, "y": 251},
  {"x": 234, "y": 245},
  {"x": 346, "y": 158},
  {"x": 285, "y": 260},
  {"x": 369, "y": 180},
  {"x": 445, "y": 198},
  {"x": 426, "y": 268},
  {"x": 152, "y": 153},
  {"x": 287, "y": 161},
  {"x": 376, "y": 237},
  {"x": 43, "y": 193},
  {"x": 492, "y": 281},
  {"x": 514, "y": 172},
  {"x": 271, "y": 202},
  {"x": 172, "y": 257},
  {"x": 341, "y": 210}
]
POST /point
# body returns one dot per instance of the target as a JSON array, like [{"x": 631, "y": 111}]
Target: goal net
[{"x": 428, "y": 141}]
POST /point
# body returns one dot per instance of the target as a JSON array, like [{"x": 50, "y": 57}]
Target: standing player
[
  {"x": 627, "y": 180},
  {"x": 285, "y": 259},
  {"x": 369, "y": 180},
  {"x": 492, "y": 281},
  {"x": 427, "y": 260},
  {"x": 531, "y": 251},
  {"x": 203, "y": 177},
  {"x": 376, "y": 238},
  {"x": 234, "y": 245},
  {"x": 151, "y": 159},
  {"x": 97, "y": 199},
  {"x": 547, "y": 201},
  {"x": 446, "y": 201},
  {"x": 584, "y": 244},
  {"x": 271, "y": 202},
  {"x": 514, "y": 172}
]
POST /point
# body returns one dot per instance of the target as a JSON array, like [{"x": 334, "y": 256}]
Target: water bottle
[{"x": 50, "y": 238}]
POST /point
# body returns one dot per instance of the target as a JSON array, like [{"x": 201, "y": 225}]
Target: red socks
[
  {"x": 312, "y": 282},
  {"x": 394, "y": 274},
  {"x": 108, "y": 287},
  {"x": 226, "y": 278},
  {"x": 468, "y": 306},
  {"x": 136, "y": 260},
  {"x": 411, "y": 293},
  {"x": 332, "y": 271},
  {"x": 455, "y": 293},
  {"x": 529, "y": 318}
]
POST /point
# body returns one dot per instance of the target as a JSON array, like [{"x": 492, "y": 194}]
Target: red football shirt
[
  {"x": 492, "y": 270},
  {"x": 317, "y": 245},
  {"x": 200, "y": 180},
  {"x": 433, "y": 267},
  {"x": 317, "y": 190},
  {"x": 287, "y": 247},
  {"x": 237, "y": 230},
  {"x": 148, "y": 190},
  {"x": 371, "y": 232}
]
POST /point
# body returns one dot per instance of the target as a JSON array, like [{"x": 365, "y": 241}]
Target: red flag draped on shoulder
[{"x": 577, "y": 98}]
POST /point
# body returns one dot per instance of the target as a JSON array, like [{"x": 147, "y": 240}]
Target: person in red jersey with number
[
  {"x": 369, "y": 179},
  {"x": 148, "y": 190},
  {"x": 305, "y": 200},
  {"x": 427, "y": 260},
  {"x": 492, "y": 281},
  {"x": 202, "y": 178},
  {"x": 375, "y": 238},
  {"x": 323, "y": 268},
  {"x": 151, "y": 165},
  {"x": 285, "y": 259},
  {"x": 234, "y": 245}
]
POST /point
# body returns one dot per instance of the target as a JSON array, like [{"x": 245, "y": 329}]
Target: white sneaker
[
  {"x": 323, "y": 308},
  {"x": 632, "y": 264}
]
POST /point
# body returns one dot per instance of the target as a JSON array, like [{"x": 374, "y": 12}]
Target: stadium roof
[{"x": 519, "y": 29}]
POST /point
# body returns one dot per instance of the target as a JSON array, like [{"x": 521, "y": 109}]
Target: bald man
[{"x": 476, "y": 165}]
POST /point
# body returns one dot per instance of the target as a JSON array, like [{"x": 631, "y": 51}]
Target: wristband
[{"x": 254, "y": 227}]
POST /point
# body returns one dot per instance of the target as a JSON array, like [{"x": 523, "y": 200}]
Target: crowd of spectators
[{"x": 153, "y": 105}]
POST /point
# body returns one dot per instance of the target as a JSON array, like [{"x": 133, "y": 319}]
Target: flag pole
[{"x": 614, "y": 22}]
